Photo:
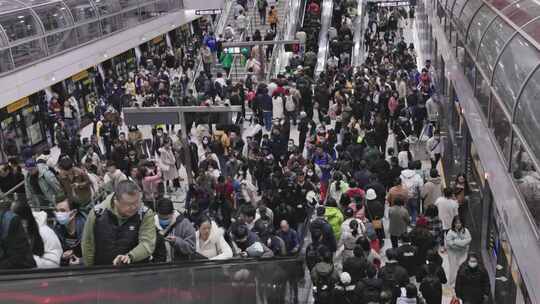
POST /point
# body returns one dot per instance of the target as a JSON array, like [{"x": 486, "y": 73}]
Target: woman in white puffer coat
[
  {"x": 210, "y": 241},
  {"x": 45, "y": 245}
]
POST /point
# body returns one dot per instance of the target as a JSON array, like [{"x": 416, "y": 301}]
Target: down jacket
[{"x": 53, "y": 248}]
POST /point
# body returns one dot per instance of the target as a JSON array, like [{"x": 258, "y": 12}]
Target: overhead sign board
[
  {"x": 393, "y": 3},
  {"x": 208, "y": 12}
]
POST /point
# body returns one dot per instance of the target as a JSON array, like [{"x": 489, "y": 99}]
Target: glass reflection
[
  {"x": 492, "y": 43},
  {"x": 19, "y": 24},
  {"x": 478, "y": 26},
  {"x": 533, "y": 29},
  {"x": 522, "y": 12},
  {"x": 27, "y": 52},
  {"x": 500, "y": 126},
  {"x": 81, "y": 10},
  {"x": 61, "y": 41},
  {"x": 526, "y": 178},
  {"x": 482, "y": 92},
  {"x": 54, "y": 16},
  {"x": 527, "y": 113},
  {"x": 5, "y": 61},
  {"x": 469, "y": 68},
  {"x": 516, "y": 63}
]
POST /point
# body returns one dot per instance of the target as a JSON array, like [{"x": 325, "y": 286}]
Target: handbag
[{"x": 377, "y": 224}]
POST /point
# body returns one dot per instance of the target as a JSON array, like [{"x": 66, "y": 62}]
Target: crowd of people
[{"x": 351, "y": 177}]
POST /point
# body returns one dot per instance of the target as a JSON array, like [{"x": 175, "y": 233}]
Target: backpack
[
  {"x": 219, "y": 89},
  {"x": 371, "y": 293},
  {"x": 261, "y": 4},
  {"x": 290, "y": 106},
  {"x": 249, "y": 82},
  {"x": 413, "y": 189},
  {"x": 325, "y": 288},
  {"x": 209, "y": 87}
]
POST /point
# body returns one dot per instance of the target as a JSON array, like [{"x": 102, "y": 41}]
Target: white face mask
[{"x": 473, "y": 264}]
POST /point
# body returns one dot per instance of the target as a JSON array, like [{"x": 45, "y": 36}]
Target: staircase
[{"x": 238, "y": 70}]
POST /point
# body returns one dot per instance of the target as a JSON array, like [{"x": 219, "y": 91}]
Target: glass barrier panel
[
  {"x": 482, "y": 92},
  {"x": 526, "y": 178},
  {"x": 87, "y": 32},
  {"x": 54, "y": 16},
  {"x": 27, "y": 52},
  {"x": 61, "y": 41},
  {"x": 5, "y": 61},
  {"x": 19, "y": 25},
  {"x": 234, "y": 282},
  {"x": 499, "y": 124}
]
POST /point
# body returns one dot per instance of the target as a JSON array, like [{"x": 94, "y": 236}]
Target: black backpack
[
  {"x": 325, "y": 288},
  {"x": 249, "y": 82},
  {"x": 5, "y": 222},
  {"x": 219, "y": 89}
]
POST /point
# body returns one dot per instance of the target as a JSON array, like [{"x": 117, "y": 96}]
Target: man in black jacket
[
  {"x": 15, "y": 251},
  {"x": 356, "y": 266},
  {"x": 393, "y": 275},
  {"x": 408, "y": 255}
]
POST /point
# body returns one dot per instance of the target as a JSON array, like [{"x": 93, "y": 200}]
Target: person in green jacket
[
  {"x": 120, "y": 230},
  {"x": 226, "y": 61},
  {"x": 333, "y": 216}
]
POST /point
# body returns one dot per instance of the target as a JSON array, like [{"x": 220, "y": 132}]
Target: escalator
[
  {"x": 327, "y": 8},
  {"x": 360, "y": 25},
  {"x": 273, "y": 280}
]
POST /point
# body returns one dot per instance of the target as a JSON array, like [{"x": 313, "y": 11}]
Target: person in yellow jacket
[
  {"x": 333, "y": 216},
  {"x": 273, "y": 18}
]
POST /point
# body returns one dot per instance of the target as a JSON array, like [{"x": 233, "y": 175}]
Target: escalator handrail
[
  {"x": 73, "y": 271},
  {"x": 77, "y": 271}
]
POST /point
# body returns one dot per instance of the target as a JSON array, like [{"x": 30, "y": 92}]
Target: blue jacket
[
  {"x": 266, "y": 103},
  {"x": 291, "y": 240}
]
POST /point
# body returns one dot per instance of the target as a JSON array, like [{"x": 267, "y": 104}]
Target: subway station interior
[{"x": 270, "y": 151}]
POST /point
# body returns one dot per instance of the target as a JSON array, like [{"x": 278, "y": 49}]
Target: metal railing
[
  {"x": 287, "y": 32},
  {"x": 248, "y": 30},
  {"x": 12, "y": 191},
  {"x": 224, "y": 16}
]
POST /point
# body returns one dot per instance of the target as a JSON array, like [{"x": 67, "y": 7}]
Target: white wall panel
[
  {"x": 203, "y": 4},
  {"x": 37, "y": 77}
]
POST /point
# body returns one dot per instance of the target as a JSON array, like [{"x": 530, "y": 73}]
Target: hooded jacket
[
  {"x": 412, "y": 181},
  {"x": 334, "y": 217},
  {"x": 184, "y": 232},
  {"x": 215, "y": 248},
  {"x": 431, "y": 191},
  {"x": 51, "y": 244},
  {"x": 324, "y": 270}
]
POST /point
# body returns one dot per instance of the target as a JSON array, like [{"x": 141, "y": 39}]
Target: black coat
[
  {"x": 15, "y": 251},
  {"x": 356, "y": 267},
  {"x": 394, "y": 277},
  {"x": 369, "y": 290},
  {"x": 408, "y": 258},
  {"x": 472, "y": 285}
]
